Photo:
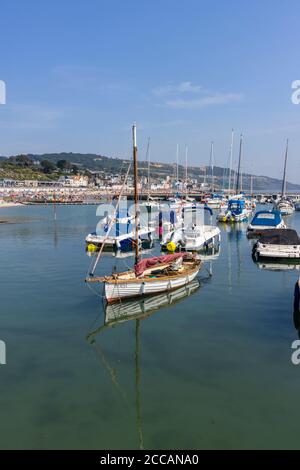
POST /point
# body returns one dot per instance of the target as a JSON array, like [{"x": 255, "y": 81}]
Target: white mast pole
[
  {"x": 230, "y": 160},
  {"x": 177, "y": 159},
  {"x": 212, "y": 165},
  {"x": 186, "y": 171},
  {"x": 148, "y": 177}
]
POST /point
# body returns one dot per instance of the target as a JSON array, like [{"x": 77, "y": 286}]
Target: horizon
[{"x": 90, "y": 78}]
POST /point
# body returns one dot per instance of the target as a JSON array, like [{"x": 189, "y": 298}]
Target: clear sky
[{"x": 79, "y": 73}]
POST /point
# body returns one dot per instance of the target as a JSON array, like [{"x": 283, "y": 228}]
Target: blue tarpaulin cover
[{"x": 267, "y": 218}]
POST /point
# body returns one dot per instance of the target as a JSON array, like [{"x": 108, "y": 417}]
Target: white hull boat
[
  {"x": 235, "y": 212},
  {"x": 264, "y": 221},
  {"x": 120, "y": 242},
  {"x": 285, "y": 207},
  {"x": 193, "y": 238},
  {"x": 165, "y": 274},
  {"x": 284, "y": 244},
  {"x": 127, "y": 288}
]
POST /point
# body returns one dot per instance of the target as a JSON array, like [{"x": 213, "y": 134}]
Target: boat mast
[
  {"x": 212, "y": 165},
  {"x": 136, "y": 201},
  {"x": 186, "y": 172},
  {"x": 239, "y": 165},
  {"x": 177, "y": 159},
  {"x": 284, "y": 171},
  {"x": 230, "y": 161},
  {"x": 148, "y": 176}
]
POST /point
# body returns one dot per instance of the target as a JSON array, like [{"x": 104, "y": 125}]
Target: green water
[{"x": 211, "y": 371}]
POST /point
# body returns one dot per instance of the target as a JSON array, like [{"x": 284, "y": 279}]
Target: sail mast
[
  {"x": 136, "y": 201},
  {"x": 239, "y": 165},
  {"x": 177, "y": 159},
  {"x": 284, "y": 171},
  {"x": 212, "y": 165},
  {"x": 230, "y": 161},
  {"x": 186, "y": 172},
  {"x": 148, "y": 176}
]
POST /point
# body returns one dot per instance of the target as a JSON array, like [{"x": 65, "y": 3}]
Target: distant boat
[
  {"x": 284, "y": 205},
  {"x": 236, "y": 211},
  {"x": 215, "y": 201},
  {"x": 297, "y": 206},
  {"x": 280, "y": 243},
  {"x": 150, "y": 275},
  {"x": 264, "y": 221}
]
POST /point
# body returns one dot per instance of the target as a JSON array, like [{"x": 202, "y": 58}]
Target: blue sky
[{"x": 78, "y": 73}]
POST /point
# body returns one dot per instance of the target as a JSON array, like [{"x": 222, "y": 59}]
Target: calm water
[{"x": 213, "y": 370}]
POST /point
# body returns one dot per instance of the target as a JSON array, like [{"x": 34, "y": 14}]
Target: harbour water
[{"x": 211, "y": 370}]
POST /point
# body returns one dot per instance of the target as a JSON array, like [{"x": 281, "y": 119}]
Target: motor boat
[
  {"x": 119, "y": 240},
  {"x": 236, "y": 211},
  {"x": 279, "y": 243},
  {"x": 191, "y": 238},
  {"x": 264, "y": 221}
]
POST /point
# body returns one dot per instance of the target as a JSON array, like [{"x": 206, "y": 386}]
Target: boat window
[{"x": 266, "y": 216}]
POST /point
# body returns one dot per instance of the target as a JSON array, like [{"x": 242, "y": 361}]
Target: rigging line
[{"x": 111, "y": 222}]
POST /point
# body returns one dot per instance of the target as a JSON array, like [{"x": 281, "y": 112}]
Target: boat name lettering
[
  {"x": 295, "y": 357},
  {"x": 2, "y": 352}
]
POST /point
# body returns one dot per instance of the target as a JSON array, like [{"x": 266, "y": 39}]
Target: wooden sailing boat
[{"x": 150, "y": 275}]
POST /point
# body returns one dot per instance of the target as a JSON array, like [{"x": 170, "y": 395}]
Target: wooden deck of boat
[{"x": 116, "y": 279}]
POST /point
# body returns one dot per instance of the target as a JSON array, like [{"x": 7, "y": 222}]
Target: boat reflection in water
[
  {"x": 278, "y": 265},
  {"x": 136, "y": 310},
  {"x": 142, "y": 308}
]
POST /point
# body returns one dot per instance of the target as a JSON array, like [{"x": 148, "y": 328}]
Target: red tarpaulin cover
[{"x": 156, "y": 260}]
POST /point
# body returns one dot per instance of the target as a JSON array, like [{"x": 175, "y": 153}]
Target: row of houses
[{"x": 103, "y": 180}]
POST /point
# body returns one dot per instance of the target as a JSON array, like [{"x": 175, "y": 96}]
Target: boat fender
[
  {"x": 171, "y": 246},
  {"x": 91, "y": 248}
]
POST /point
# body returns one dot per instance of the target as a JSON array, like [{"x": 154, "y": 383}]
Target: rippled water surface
[{"x": 209, "y": 367}]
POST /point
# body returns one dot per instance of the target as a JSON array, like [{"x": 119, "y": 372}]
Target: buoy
[
  {"x": 91, "y": 247},
  {"x": 171, "y": 246}
]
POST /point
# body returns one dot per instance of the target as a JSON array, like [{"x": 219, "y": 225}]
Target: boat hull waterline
[{"x": 117, "y": 290}]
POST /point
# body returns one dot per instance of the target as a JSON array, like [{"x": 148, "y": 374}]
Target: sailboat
[
  {"x": 284, "y": 205},
  {"x": 150, "y": 275},
  {"x": 150, "y": 204},
  {"x": 215, "y": 201},
  {"x": 237, "y": 210}
]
